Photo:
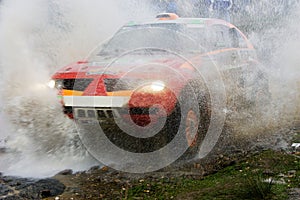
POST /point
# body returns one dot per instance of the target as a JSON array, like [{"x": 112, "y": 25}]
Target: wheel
[
  {"x": 190, "y": 118},
  {"x": 194, "y": 108}
]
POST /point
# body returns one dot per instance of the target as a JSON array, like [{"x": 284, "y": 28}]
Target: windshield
[{"x": 170, "y": 37}]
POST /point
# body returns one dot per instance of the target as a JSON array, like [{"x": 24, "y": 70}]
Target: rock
[
  {"x": 14, "y": 197},
  {"x": 18, "y": 183},
  {"x": 280, "y": 181},
  {"x": 268, "y": 172},
  {"x": 66, "y": 172},
  {"x": 294, "y": 194},
  {"x": 42, "y": 189},
  {"x": 22, "y": 188},
  {"x": 292, "y": 173},
  {"x": 74, "y": 190},
  {"x": 4, "y": 190},
  {"x": 104, "y": 169},
  {"x": 296, "y": 146},
  {"x": 94, "y": 168}
]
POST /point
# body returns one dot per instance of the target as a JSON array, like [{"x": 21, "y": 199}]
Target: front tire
[
  {"x": 190, "y": 118},
  {"x": 194, "y": 108}
]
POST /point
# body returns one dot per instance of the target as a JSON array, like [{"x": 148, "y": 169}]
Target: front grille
[
  {"x": 96, "y": 113},
  {"x": 105, "y": 113},
  {"x": 143, "y": 111},
  {"x": 113, "y": 84},
  {"x": 81, "y": 113},
  {"x": 74, "y": 84},
  {"x": 91, "y": 114},
  {"x": 111, "y": 113}
]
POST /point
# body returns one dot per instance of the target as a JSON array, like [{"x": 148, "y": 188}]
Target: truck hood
[{"x": 114, "y": 66}]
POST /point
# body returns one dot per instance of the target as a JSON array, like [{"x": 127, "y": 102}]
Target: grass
[{"x": 245, "y": 180}]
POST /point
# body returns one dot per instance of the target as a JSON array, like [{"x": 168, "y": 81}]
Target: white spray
[{"x": 37, "y": 37}]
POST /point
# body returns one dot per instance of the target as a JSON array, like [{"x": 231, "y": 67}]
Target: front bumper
[
  {"x": 107, "y": 109},
  {"x": 96, "y": 101}
]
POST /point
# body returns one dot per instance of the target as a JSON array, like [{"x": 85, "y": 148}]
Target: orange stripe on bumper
[
  {"x": 125, "y": 93},
  {"x": 71, "y": 93}
]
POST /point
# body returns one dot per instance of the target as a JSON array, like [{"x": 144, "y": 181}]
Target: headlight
[
  {"x": 51, "y": 84},
  {"x": 155, "y": 86},
  {"x": 158, "y": 86},
  {"x": 58, "y": 84}
]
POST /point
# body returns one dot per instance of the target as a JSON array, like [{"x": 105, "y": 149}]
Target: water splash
[
  {"x": 40, "y": 139},
  {"x": 36, "y": 36}
]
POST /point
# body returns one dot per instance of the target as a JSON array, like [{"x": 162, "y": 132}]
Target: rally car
[{"x": 150, "y": 76}]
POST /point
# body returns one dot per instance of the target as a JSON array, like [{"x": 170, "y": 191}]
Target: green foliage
[
  {"x": 257, "y": 186},
  {"x": 254, "y": 178}
]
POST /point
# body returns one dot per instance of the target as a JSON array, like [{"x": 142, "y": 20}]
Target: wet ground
[{"x": 107, "y": 183}]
